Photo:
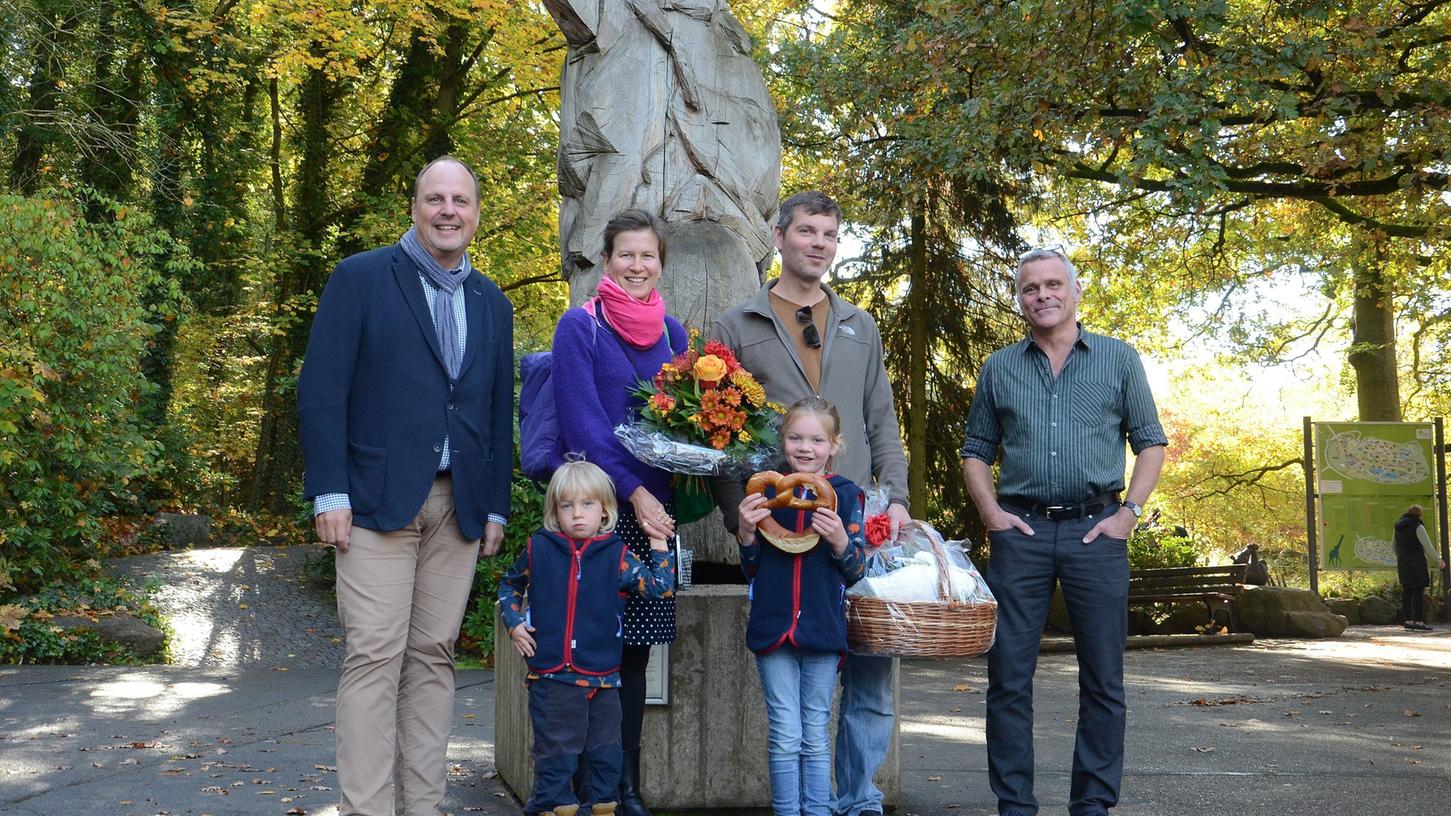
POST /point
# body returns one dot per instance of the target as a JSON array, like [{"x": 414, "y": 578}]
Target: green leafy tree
[
  {"x": 73, "y": 322},
  {"x": 1186, "y": 127}
]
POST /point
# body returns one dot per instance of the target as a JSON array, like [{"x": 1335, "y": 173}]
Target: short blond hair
[{"x": 580, "y": 480}]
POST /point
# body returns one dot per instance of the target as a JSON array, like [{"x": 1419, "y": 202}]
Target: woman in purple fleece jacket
[{"x": 602, "y": 350}]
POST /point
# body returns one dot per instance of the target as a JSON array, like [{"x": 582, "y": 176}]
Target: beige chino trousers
[{"x": 401, "y": 598}]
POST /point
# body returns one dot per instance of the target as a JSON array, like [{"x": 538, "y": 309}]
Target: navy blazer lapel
[
  {"x": 407, "y": 274},
  {"x": 474, "y": 308}
]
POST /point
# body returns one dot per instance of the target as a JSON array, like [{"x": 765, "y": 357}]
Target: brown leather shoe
[{"x": 603, "y": 809}]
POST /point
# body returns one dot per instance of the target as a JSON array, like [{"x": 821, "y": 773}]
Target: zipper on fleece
[
  {"x": 795, "y": 598},
  {"x": 571, "y": 593}
]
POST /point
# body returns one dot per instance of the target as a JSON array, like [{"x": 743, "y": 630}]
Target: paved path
[
  {"x": 1358, "y": 724},
  {"x": 1334, "y": 728},
  {"x": 241, "y": 606}
]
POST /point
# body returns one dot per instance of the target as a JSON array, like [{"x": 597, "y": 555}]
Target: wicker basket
[{"x": 943, "y": 628}]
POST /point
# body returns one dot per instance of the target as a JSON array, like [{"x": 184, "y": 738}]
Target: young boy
[{"x": 576, "y": 572}]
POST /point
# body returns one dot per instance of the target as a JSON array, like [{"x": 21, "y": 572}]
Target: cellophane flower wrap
[{"x": 703, "y": 415}]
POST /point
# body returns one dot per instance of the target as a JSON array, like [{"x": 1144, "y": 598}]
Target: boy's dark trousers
[{"x": 573, "y": 725}]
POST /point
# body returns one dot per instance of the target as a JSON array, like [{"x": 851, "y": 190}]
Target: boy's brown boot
[
  {"x": 566, "y": 810},
  {"x": 603, "y": 809}
]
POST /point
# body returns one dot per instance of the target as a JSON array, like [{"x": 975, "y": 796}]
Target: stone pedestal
[{"x": 707, "y": 748}]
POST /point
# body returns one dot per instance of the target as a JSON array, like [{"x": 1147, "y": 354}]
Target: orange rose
[
  {"x": 663, "y": 403},
  {"x": 710, "y": 370}
]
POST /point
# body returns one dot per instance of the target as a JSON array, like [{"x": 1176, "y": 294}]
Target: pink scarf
[{"x": 640, "y": 323}]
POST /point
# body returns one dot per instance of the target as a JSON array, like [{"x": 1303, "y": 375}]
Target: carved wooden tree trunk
[{"x": 663, "y": 108}]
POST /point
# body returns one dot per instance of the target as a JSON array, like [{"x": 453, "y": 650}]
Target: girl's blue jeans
[{"x": 798, "y": 685}]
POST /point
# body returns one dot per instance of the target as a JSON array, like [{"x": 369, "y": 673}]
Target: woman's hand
[
  {"x": 651, "y": 514},
  {"x": 752, "y": 512},
  {"x": 523, "y": 643},
  {"x": 828, "y": 525}
]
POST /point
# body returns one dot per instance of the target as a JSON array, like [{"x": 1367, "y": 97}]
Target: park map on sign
[
  {"x": 1369, "y": 473},
  {"x": 1376, "y": 460}
]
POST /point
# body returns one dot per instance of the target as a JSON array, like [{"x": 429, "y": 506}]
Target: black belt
[{"x": 1061, "y": 512}]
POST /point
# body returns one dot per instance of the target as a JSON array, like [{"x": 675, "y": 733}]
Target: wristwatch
[{"x": 1136, "y": 509}]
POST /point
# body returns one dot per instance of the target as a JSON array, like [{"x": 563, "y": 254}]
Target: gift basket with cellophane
[{"x": 921, "y": 597}]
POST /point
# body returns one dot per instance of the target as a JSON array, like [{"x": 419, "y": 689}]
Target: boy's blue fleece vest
[
  {"x": 800, "y": 599},
  {"x": 575, "y": 604}
]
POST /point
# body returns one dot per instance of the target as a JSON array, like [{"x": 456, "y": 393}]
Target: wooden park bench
[{"x": 1216, "y": 587}]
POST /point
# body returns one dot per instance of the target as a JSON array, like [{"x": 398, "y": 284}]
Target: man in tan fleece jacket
[{"x": 800, "y": 340}]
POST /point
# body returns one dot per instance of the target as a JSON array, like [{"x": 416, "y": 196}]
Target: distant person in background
[{"x": 1413, "y": 552}]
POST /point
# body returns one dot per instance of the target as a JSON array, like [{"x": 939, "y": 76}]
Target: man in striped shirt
[{"x": 1059, "y": 404}]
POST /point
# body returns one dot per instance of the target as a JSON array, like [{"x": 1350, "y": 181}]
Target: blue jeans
[
  {"x": 863, "y": 731},
  {"x": 798, "y": 686},
  {"x": 1094, "y": 578}
]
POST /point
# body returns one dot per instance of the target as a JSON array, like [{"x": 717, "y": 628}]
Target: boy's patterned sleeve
[
  {"x": 511, "y": 592},
  {"x": 653, "y": 580}
]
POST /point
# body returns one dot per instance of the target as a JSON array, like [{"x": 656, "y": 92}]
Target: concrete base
[{"x": 705, "y": 749}]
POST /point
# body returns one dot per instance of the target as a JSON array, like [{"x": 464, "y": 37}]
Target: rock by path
[{"x": 241, "y": 607}]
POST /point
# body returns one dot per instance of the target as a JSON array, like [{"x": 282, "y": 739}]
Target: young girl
[
  {"x": 577, "y": 573},
  {"x": 797, "y": 626}
]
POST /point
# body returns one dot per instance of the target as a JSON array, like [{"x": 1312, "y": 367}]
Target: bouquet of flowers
[{"x": 703, "y": 415}]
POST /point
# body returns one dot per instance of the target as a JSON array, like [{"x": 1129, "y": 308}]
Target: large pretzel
[{"x": 786, "y": 497}]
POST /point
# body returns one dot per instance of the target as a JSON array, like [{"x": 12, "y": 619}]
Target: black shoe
[
  {"x": 1419, "y": 627},
  {"x": 630, "y": 802}
]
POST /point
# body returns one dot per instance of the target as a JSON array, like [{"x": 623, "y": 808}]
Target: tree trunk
[
  {"x": 32, "y": 139},
  {"x": 109, "y": 166},
  {"x": 167, "y": 173},
  {"x": 917, "y": 310},
  {"x": 278, "y": 463},
  {"x": 1373, "y": 343}
]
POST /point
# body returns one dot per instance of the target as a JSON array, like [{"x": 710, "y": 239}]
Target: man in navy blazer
[{"x": 406, "y": 401}]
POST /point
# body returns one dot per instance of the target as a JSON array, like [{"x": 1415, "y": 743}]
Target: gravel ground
[{"x": 241, "y": 607}]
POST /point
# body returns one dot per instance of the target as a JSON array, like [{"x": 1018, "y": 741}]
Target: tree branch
[{"x": 1234, "y": 481}]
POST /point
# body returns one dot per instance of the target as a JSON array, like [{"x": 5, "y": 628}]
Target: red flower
[
  {"x": 724, "y": 352},
  {"x": 879, "y": 529}
]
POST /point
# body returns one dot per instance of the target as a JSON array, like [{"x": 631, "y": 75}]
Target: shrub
[
  {"x": 1158, "y": 546},
  {"x": 80, "y": 303},
  {"x": 27, "y": 636},
  {"x": 526, "y": 516}
]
